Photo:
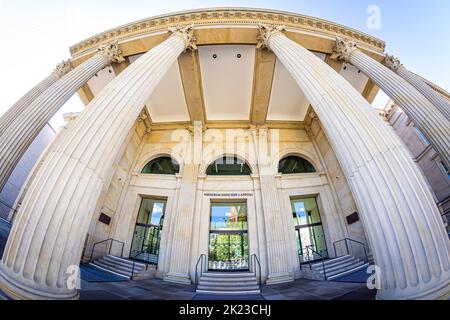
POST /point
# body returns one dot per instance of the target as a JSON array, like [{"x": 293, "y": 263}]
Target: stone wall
[{"x": 122, "y": 199}]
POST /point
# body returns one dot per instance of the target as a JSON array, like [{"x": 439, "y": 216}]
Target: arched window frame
[
  {"x": 306, "y": 164},
  {"x": 245, "y": 167},
  {"x": 147, "y": 167}
]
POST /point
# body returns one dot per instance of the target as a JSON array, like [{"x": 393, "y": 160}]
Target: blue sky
[{"x": 36, "y": 35}]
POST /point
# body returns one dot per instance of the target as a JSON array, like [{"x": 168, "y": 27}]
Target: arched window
[
  {"x": 162, "y": 165},
  {"x": 294, "y": 164},
  {"x": 228, "y": 166}
]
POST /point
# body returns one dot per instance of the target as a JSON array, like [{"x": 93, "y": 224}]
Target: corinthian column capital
[
  {"x": 343, "y": 49},
  {"x": 111, "y": 51},
  {"x": 392, "y": 62},
  {"x": 187, "y": 33},
  {"x": 63, "y": 68},
  {"x": 265, "y": 33}
]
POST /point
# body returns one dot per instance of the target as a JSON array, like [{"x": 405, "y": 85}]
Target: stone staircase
[
  {"x": 334, "y": 268},
  {"x": 124, "y": 267},
  {"x": 228, "y": 283}
]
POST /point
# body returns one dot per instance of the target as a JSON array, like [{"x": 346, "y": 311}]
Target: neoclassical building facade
[{"x": 227, "y": 133}]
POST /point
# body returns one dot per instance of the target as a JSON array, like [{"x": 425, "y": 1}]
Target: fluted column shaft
[
  {"x": 20, "y": 106},
  {"x": 182, "y": 235},
  {"x": 278, "y": 260},
  {"x": 431, "y": 122},
  {"x": 51, "y": 225},
  {"x": 21, "y": 132},
  {"x": 401, "y": 220},
  {"x": 439, "y": 102}
]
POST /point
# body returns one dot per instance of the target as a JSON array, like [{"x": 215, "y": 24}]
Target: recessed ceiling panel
[
  {"x": 227, "y": 76},
  {"x": 287, "y": 101},
  {"x": 356, "y": 78},
  {"x": 101, "y": 79},
  {"x": 167, "y": 103}
]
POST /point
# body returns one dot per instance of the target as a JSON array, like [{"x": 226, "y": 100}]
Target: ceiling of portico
[
  {"x": 227, "y": 78},
  {"x": 227, "y": 81},
  {"x": 167, "y": 103},
  {"x": 356, "y": 78}
]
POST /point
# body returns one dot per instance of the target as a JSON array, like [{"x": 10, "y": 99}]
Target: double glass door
[
  {"x": 311, "y": 242},
  {"x": 228, "y": 237},
  {"x": 147, "y": 232}
]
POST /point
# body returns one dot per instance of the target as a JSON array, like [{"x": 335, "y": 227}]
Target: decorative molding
[
  {"x": 343, "y": 49},
  {"x": 392, "y": 62},
  {"x": 187, "y": 34},
  {"x": 224, "y": 16},
  {"x": 111, "y": 51},
  {"x": 265, "y": 33},
  {"x": 63, "y": 68}
]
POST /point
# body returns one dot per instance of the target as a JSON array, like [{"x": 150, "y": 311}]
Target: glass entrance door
[
  {"x": 228, "y": 237},
  {"x": 147, "y": 233},
  {"x": 311, "y": 243}
]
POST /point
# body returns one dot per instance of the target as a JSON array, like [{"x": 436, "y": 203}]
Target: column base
[
  {"x": 279, "y": 278},
  {"x": 180, "y": 278},
  {"x": 437, "y": 289},
  {"x": 17, "y": 288}
]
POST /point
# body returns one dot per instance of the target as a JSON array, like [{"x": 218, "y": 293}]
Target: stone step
[
  {"x": 225, "y": 288},
  {"x": 228, "y": 275},
  {"x": 335, "y": 268},
  {"x": 113, "y": 269},
  {"x": 109, "y": 270},
  {"x": 339, "y": 266},
  {"x": 125, "y": 261},
  {"x": 224, "y": 279},
  {"x": 117, "y": 266},
  {"x": 343, "y": 270},
  {"x": 230, "y": 293},
  {"x": 227, "y": 283},
  {"x": 331, "y": 262},
  {"x": 122, "y": 266},
  {"x": 363, "y": 266}
]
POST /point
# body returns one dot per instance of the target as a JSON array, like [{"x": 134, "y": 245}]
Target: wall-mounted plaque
[
  {"x": 352, "y": 218},
  {"x": 104, "y": 219}
]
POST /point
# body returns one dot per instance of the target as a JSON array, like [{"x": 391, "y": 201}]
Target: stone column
[
  {"x": 278, "y": 259},
  {"x": 402, "y": 222},
  {"x": 179, "y": 265},
  {"x": 431, "y": 122},
  {"x": 21, "y": 132},
  {"x": 21, "y": 106},
  {"x": 439, "y": 102},
  {"x": 48, "y": 234}
]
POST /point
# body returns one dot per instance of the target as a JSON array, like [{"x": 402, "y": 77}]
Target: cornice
[{"x": 224, "y": 16}]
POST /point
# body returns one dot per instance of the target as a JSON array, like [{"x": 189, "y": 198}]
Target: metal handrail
[
  {"x": 348, "y": 251},
  {"x": 200, "y": 259},
  {"x": 109, "y": 251},
  {"x": 254, "y": 259},
  {"x": 321, "y": 258}
]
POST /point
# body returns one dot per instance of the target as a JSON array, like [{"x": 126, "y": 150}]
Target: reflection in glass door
[
  {"x": 311, "y": 243},
  {"x": 147, "y": 233},
  {"x": 228, "y": 237}
]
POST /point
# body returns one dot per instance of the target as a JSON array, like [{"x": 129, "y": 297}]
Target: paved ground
[{"x": 153, "y": 289}]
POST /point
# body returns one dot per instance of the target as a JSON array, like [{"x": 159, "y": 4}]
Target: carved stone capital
[
  {"x": 343, "y": 49},
  {"x": 392, "y": 62},
  {"x": 265, "y": 33},
  {"x": 187, "y": 33},
  {"x": 112, "y": 52},
  {"x": 63, "y": 68}
]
